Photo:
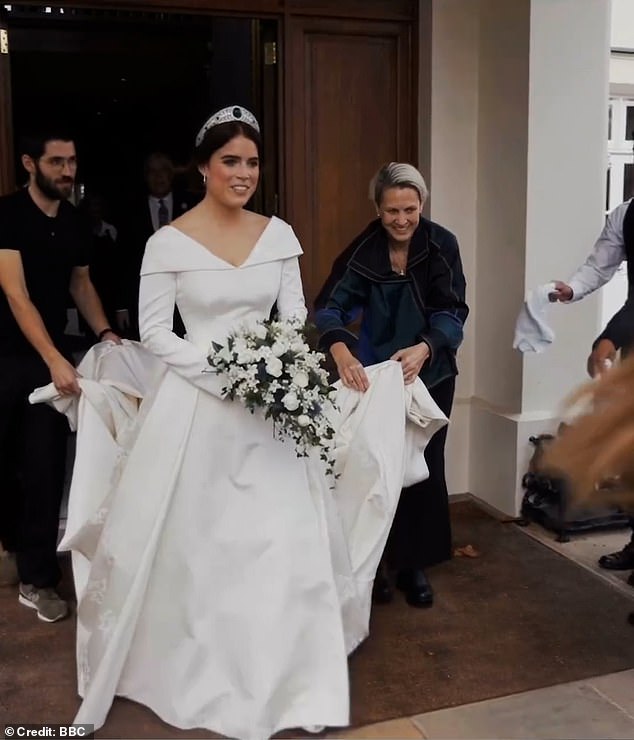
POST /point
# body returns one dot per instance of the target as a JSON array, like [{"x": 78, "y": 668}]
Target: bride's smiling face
[{"x": 232, "y": 172}]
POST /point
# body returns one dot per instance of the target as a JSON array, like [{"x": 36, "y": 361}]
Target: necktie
[{"x": 163, "y": 215}]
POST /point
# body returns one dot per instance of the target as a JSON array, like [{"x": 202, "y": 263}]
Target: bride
[{"x": 217, "y": 595}]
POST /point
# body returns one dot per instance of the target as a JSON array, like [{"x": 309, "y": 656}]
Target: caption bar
[{"x": 35, "y": 731}]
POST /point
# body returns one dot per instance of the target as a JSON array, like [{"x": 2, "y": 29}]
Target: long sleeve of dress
[
  {"x": 157, "y": 296},
  {"x": 290, "y": 300}
]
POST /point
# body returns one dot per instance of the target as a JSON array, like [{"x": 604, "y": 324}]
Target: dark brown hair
[
  {"x": 33, "y": 143},
  {"x": 217, "y": 136}
]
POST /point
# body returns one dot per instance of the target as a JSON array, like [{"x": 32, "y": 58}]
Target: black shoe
[
  {"x": 381, "y": 590},
  {"x": 417, "y": 590},
  {"x": 621, "y": 560}
]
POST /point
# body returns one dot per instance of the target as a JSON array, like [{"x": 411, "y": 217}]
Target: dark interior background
[{"x": 128, "y": 83}]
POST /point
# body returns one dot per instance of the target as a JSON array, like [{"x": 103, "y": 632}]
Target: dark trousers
[
  {"x": 32, "y": 461},
  {"x": 421, "y": 531}
]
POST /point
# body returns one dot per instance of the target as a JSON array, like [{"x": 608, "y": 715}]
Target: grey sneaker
[
  {"x": 50, "y": 607},
  {"x": 8, "y": 569}
]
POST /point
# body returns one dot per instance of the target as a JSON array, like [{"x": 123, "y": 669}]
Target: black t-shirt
[{"x": 50, "y": 249}]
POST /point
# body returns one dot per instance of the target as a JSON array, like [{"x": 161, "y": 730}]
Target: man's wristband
[{"x": 103, "y": 332}]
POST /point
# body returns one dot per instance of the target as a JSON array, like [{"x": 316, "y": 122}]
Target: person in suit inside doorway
[{"x": 160, "y": 205}]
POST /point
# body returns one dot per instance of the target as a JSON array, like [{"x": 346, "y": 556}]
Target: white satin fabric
[{"x": 222, "y": 581}]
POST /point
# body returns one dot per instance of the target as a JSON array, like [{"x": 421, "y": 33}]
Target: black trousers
[
  {"x": 421, "y": 531},
  {"x": 32, "y": 462}
]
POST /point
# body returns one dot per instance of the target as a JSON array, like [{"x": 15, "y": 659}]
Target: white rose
[
  {"x": 297, "y": 345},
  {"x": 290, "y": 401},
  {"x": 274, "y": 367},
  {"x": 300, "y": 379},
  {"x": 245, "y": 356},
  {"x": 279, "y": 347},
  {"x": 260, "y": 331},
  {"x": 303, "y": 420}
]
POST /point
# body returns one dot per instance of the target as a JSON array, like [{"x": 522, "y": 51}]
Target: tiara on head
[{"x": 231, "y": 113}]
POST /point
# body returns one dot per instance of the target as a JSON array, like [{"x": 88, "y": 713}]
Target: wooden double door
[{"x": 340, "y": 88}]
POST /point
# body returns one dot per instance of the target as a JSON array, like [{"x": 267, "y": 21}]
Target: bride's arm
[
  {"x": 157, "y": 296},
  {"x": 290, "y": 299}
]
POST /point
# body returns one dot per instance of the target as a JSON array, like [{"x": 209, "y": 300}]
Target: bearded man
[{"x": 43, "y": 258}]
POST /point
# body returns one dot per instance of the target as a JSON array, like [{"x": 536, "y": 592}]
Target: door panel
[{"x": 349, "y": 111}]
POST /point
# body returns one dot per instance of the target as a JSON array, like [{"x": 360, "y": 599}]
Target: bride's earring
[{"x": 204, "y": 179}]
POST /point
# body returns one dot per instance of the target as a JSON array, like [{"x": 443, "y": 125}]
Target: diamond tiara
[{"x": 231, "y": 113}]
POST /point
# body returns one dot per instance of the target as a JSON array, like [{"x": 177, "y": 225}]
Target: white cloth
[
  {"x": 532, "y": 330},
  {"x": 222, "y": 580},
  {"x": 380, "y": 441},
  {"x": 605, "y": 258},
  {"x": 113, "y": 380}
]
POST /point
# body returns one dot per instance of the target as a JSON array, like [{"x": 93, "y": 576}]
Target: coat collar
[{"x": 371, "y": 258}]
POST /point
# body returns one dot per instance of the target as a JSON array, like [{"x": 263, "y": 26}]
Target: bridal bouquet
[{"x": 269, "y": 366}]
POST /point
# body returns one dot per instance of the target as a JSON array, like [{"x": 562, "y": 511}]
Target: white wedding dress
[{"x": 220, "y": 580}]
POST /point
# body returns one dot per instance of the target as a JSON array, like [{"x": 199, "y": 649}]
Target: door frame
[
  {"x": 279, "y": 10},
  {"x": 7, "y": 169},
  {"x": 224, "y": 8},
  {"x": 396, "y": 10}
]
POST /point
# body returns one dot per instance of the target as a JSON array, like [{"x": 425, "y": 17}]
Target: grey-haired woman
[{"x": 402, "y": 276}]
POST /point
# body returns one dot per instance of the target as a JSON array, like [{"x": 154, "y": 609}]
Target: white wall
[
  {"x": 454, "y": 101},
  {"x": 622, "y": 69},
  {"x": 501, "y": 212},
  {"x": 569, "y": 84},
  {"x": 622, "y": 24},
  {"x": 500, "y": 253}
]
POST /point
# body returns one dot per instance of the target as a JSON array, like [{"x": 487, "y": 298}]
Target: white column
[
  {"x": 536, "y": 95},
  {"x": 453, "y": 181}
]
